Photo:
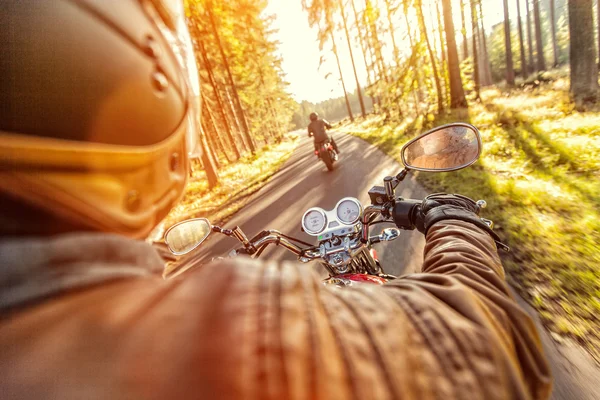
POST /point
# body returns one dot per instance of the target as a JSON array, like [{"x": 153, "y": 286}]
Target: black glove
[{"x": 442, "y": 206}]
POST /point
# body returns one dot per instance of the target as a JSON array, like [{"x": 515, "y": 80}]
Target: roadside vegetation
[
  {"x": 539, "y": 172},
  {"x": 238, "y": 181}
]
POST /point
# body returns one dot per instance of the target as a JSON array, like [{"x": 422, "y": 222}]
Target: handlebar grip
[{"x": 405, "y": 213}]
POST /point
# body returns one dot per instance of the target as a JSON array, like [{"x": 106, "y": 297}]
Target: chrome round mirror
[
  {"x": 446, "y": 148},
  {"x": 389, "y": 234},
  {"x": 185, "y": 236}
]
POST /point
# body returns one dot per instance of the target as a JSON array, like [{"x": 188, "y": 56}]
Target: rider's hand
[{"x": 440, "y": 206}]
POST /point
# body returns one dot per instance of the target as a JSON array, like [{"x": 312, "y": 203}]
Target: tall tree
[
  {"x": 236, "y": 97},
  {"x": 358, "y": 90},
  {"x": 436, "y": 77},
  {"x": 464, "y": 30},
  {"x": 598, "y": 19},
  {"x": 220, "y": 105},
  {"x": 370, "y": 15},
  {"x": 524, "y": 67},
  {"x": 457, "y": 93},
  {"x": 475, "y": 35},
  {"x": 361, "y": 40},
  {"x": 541, "y": 62},
  {"x": 337, "y": 59},
  {"x": 529, "y": 38},
  {"x": 584, "y": 70},
  {"x": 510, "y": 72},
  {"x": 484, "y": 61},
  {"x": 392, "y": 30},
  {"x": 553, "y": 31}
]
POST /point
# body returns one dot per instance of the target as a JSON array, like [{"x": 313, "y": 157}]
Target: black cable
[{"x": 381, "y": 222}]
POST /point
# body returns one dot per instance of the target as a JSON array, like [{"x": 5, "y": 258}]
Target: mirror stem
[
  {"x": 400, "y": 177},
  {"x": 218, "y": 229}
]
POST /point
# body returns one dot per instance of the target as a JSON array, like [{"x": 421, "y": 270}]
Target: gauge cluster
[{"x": 344, "y": 216}]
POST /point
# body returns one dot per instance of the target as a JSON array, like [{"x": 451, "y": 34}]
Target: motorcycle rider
[
  {"x": 316, "y": 129},
  {"x": 93, "y": 155}
]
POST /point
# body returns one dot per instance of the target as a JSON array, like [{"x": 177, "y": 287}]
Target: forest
[
  {"x": 245, "y": 105},
  {"x": 529, "y": 82}
]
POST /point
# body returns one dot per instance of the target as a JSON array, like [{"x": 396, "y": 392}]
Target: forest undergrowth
[{"x": 539, "y": 172}]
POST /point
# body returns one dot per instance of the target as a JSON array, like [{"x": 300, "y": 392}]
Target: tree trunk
[
  {"x": 236, "y": 120},
  {"x": 484, "y": 62},
  {"x": 529, "y": 38},
  {"x": 441, "y": 32},
  {"x": 457, "y": 92},
  {"x": 213, "y": 125},
  {"x": 524, "y": 69},
  {"x": 376, "y": 42},
  {"x": 208, "y": 163},
  {"x": 337, "y": 59},
  {"x": 541, "y": 62},
  {"x": 444, "y": 64},
  {"x": 475, "y": 28},
  {"x": 212, "y": 146},
  {"x": 438, "y": 86},
  {"x": 418, "y": 89},
  {"x": 236, "y": 97},
  {"x": 598, "y": 19},
  {"x": 392, "y": 30},
  {"x": 510, "y": 72},
  {"x": 464, "y": 30},
  {"x": 362, "y": 48},
  {"x": 584, "y": 70},
  {"x": 358, "y": 91},
  {"x": 553, "y": 30},
  {"x": 218, "y": 99}
]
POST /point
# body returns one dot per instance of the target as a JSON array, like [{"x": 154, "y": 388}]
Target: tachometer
[
  {"x": 348, "y": 211},
  {"x": 314, "y": 221}
]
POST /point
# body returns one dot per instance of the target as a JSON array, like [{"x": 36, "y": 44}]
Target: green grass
[{"x": 539, "y": 173}]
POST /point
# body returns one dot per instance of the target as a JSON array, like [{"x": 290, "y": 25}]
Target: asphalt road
[{"x": 304, "y": 182}]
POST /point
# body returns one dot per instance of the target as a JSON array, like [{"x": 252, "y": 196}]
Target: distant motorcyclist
[{"x": 317, "y": 129}]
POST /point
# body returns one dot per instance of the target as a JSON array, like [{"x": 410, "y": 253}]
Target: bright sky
[{"x": 300, "y": 50}]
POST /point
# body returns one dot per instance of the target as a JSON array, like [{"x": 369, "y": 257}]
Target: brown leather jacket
[{"x": 239, "y": 329}]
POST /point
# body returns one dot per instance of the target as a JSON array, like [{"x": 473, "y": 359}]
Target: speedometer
[
  {"x": 348, "y": 211},
  {"x": 314, "y": 221}
]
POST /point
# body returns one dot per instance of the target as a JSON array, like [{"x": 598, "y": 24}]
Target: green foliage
[
  {"x": 539, "y": 175},
  {"x": 243, "y": 34}
]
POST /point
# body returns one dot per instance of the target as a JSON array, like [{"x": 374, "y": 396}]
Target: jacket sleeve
[
  {"x": 327, "y": 124},
  {"x": 310, "y": 131},
  {"x": 463, "y": 284}
]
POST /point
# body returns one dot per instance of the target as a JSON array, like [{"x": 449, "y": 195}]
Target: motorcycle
[
  {"x": 327, "y": 154},
  {"x": 344, "y": 245}
]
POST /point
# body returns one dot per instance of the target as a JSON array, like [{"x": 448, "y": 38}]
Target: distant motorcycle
[
  {"x": 327, "y": 154},
  {"x": 344, "y": 244}
]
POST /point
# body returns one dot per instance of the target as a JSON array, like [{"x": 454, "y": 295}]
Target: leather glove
[{"x": 442, "y": 206}]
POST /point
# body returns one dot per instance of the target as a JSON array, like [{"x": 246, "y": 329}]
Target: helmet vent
[
  {"x": 159, "y": 81},
  {"x": 133, "y": 200},
  {"x": 151, "y": 47},
  {"x": 174, "y": 162}
]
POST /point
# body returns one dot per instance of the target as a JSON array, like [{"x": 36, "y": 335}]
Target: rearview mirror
[
  {"x": 446, "y": 148},
  {"x": 185, "y": 236}
]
